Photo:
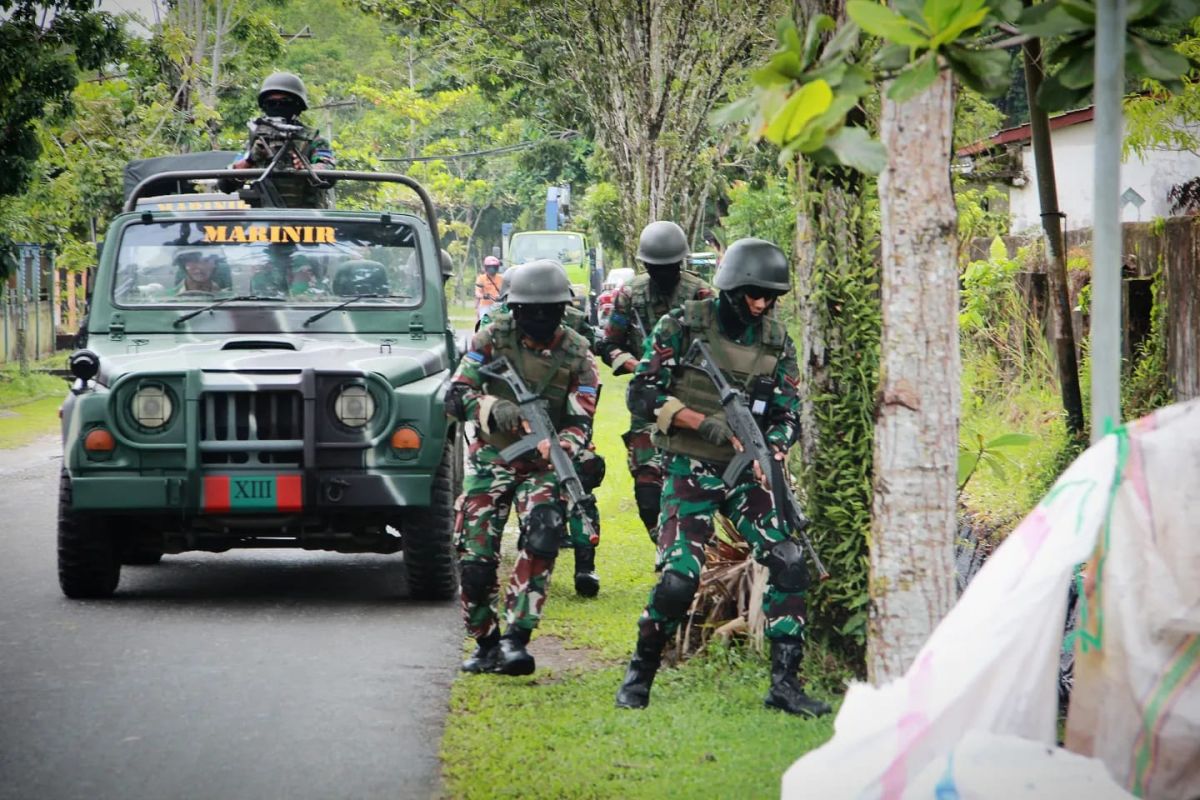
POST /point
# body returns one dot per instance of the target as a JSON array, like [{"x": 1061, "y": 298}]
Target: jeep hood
[{"x": 398, "y": 359}]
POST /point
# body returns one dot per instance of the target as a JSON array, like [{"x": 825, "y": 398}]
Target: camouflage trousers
[
  {"x": 590, "y": 467},
  {"x": 692, "y": 493},
  {"x": 645, "y": 465},
  {"x": 489, "y": 486}
]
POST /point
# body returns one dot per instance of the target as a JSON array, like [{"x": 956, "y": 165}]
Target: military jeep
[{"x": 261, "y": 377}]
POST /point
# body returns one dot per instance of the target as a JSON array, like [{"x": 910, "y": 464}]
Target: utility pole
[
  {"x": 1106, "y": 223},
  {"x": 1043, "y": 153}
]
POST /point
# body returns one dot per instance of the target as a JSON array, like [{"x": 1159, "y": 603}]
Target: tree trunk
[
  {"x": 1056, "y": 256},
  {"x": 916, "y": 427}
]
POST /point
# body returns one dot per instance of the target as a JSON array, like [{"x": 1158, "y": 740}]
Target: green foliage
[
  {"x": 802, "y": 96},
  {"x": 600, "y": 212},
  {"x": 1148, "y": 386},
  {"x": 1156, "y": 119},
  {"x": 767, "y": 212},
  {"x": 1071, "y": 24},
  {"x": 42, "y": 47},
  {"x": 974, "y": 450},
  {"x": 989, "y": 293}
]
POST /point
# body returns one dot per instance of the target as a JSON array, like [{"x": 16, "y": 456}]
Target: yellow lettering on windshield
[{"x": 274, "y": 234}]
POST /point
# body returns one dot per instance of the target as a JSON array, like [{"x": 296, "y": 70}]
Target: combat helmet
[
  {"x": 662, "y": 242},
  {"x": 285, "y": 82},
  {"x": 506, "y": 282},
  {"x": 540, "y": 281},
  {"x": 753, "y": 262}
]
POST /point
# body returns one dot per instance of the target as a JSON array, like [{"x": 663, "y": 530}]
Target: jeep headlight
[
  {"x": 152, "y": 406},
  {"x": 354, "y": 406}
]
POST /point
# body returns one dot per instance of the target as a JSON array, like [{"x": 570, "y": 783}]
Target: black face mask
[
  {"x": 288, "y": 109},
  {"x": 734, "y": 314},
  {"x": 665, "y": 277},
  {"x": 539, "y": 321}
]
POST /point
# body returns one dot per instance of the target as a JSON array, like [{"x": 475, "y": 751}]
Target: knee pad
[
  {"x": 673, "y": 594},
  {"x": 591, "y": 471},
  {"x": 544, "y": 529},
  {"x": 478, "y": 580},
  {"x": 785, "y": 565},
  {"x": 648, "y": 497}
]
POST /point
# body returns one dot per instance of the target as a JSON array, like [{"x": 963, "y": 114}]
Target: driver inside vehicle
[{"x": 198, "y": 273}]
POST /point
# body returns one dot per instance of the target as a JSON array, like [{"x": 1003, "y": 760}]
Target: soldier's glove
[
  {"x": 506, "y": 416},
  {"x": 259, "y": 151},
  {"x": 715, "y": 430}
]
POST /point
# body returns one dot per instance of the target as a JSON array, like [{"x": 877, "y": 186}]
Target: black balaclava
[
  {"x": 538, "y": 321},
  {"x": 734, "y": 314},
  {"x": 288, "y": 108},
  {"x": 664, "y": 277}
]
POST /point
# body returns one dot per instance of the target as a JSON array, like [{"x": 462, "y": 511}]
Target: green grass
[
  {"x": 556, "y": 733},
  {"x": 29, "y": 403},
  {"x": 995, "y": 404}
]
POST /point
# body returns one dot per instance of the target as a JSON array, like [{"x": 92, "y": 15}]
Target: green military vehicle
[{"x": 261, "y": 377}]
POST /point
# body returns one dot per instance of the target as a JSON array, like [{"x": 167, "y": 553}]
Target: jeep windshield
[
  {"x": 246, "y": 262},
  {"x": 566, "y": 248}
]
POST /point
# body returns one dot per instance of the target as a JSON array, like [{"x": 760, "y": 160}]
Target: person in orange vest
[{"x": 487, "y": 286}]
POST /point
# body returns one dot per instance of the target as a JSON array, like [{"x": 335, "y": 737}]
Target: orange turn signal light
[
  {"x": 406, "y": 439},
  {"x": 99, "y": 440}
]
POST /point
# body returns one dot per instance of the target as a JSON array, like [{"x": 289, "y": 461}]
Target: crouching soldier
[
  {"x": 755, "y": 354},
  {"x": 556, "y": 364}
]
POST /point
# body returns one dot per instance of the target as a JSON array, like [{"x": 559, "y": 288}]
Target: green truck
[{"x": 261, "y": 377}]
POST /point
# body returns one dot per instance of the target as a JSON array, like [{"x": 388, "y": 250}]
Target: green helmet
[
  {"x": 753, "y": 262},
  {"x": 446, "y": 263},
  {"x": 541, "y": 281},
  {"x": 506, "y": 282},
  {"x": 285, "y": 82},
  {"x": 662, "y": 243}
]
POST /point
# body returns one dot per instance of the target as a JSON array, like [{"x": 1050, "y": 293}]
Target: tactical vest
[
  {"x": 546, "y": 375},
  {"x": 575, "y": 320},
  {"x": 740, "y": 363},
  {"x": 651, "y": 307}
]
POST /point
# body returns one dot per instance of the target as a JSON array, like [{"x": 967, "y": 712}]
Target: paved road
[{"x": 250, "y": 674}]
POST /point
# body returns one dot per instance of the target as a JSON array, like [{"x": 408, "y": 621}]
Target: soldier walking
[
  {"x": 754, "y": 353},
  {"x": 556, "y": 364},
  {"x": 588, "y": 463},
  {"x": 664, "y": 287}
]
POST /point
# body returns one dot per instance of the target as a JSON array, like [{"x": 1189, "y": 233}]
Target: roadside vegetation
[{"x": 29, "y": 401}]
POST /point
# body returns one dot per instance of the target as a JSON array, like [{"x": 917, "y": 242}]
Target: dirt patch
[{"x": 557, "y": 656}]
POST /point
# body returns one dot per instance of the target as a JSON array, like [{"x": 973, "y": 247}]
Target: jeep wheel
[
  {"x": 88, "y": 566},
  {"x": 141, "y": 547},
  {"x": 428, "y": 533}
]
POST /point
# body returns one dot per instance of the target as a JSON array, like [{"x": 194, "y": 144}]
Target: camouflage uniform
[
  {"x": 693, "y": 490},
  {"x": 588, "y": 463},
  {"x": 621, "y": 341},
  {"x": 571, "y": 390}
]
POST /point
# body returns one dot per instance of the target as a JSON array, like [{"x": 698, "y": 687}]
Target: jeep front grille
[{"x": 252, "y": 428}]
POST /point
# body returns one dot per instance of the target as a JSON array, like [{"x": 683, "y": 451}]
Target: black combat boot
[
  {"x": 513, "y": 658},
  {"x": 484, "y": 657},
  {"x": 647, "y": 657},
  {"x": 786, "y": 693},
  {"x": 587, "y": 582}
]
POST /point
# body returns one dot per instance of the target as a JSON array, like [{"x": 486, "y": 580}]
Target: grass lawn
[
  {"x": 556, "y": 734},
  {"x": 29, "y": 403}
]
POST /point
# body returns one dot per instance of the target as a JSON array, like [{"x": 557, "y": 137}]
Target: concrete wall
[
  {"x": 1074, "y": 155},
  {"x": 39, "y": 330}
]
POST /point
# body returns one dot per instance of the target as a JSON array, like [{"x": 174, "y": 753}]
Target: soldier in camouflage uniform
[
  {"x": 588, "y": 463},
  {"x": 283, "y": 96},
  {"x": 664, "y": 287},
  {"x": 556, "y": 363},
  {"x": 754, "y": 352}
]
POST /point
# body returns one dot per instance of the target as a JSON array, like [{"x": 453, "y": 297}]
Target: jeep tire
[
  {"x": 427, "y": 534},
  {"x": 88, "y": 564}
]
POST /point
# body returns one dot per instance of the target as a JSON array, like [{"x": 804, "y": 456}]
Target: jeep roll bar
[{"x": 331, "y": 174}]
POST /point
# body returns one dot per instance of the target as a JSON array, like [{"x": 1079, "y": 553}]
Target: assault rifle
[
  {"x": 754, "y": 448},
  {"x": 639, "y": 325},
  {"x": 277, "y": 139},
  {"x": 541, "y": 429}
]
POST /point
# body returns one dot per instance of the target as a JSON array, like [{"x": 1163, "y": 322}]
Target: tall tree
[{"x": 916, "y": 429}]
